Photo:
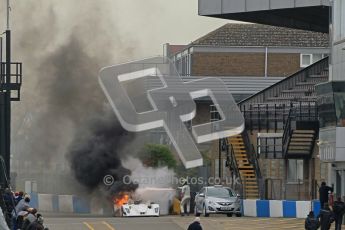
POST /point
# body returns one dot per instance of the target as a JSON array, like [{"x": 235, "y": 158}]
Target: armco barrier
[
  {"x": 81, "y": 205},
  {"x": 252, "y": 208},
  {"x": 279, "y": 208},
  {"x": 62, "y": 204}
]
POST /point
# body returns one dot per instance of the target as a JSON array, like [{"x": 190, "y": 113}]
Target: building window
[
  {"x": 183, "y": 64},
  {"x": 308, "y": 59},
  {"x": 295, "y": 171},
  {"x": 215, "y": 116}
]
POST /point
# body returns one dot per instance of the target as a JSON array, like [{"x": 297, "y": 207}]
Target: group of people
[
  {"x": 23, "y": 216},
  {"x": 327, "y": 215}
]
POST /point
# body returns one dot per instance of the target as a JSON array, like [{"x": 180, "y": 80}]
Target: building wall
[
  {"x": 244, "y": 64},
  {"x": 283, "y": 64}
]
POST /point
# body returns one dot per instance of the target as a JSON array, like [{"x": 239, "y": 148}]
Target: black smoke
[
  {"x": 63, "y": 126},
  {"x": 96, "y": 152}
]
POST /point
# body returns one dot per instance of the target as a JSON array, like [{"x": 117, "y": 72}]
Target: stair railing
[
  {"x": 287, "y": 133},
  {"x": 234, "y": 171},
  {"x": 253, "y": 159},
  {"x": 301, "y": 112}
]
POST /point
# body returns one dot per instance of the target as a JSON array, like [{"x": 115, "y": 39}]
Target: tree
[{"x": 155, "y": 155}]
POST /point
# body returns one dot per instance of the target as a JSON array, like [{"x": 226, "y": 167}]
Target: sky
[
  {"x": 64, "y": 43},
  {"x": 148, "y": 24}
]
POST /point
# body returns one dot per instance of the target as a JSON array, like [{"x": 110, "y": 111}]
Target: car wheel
[
  {"x": 205, "y": 212},
  {"x": 238, "y": 214},
  {"x": 229, "y": 214}
]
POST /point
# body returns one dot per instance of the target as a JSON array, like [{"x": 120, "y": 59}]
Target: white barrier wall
[
  {"x": 276, "y": 208},
  {"x": 250, "y": 208},
  {"x": 66, "y": 203},
  {"x": 302, "y": 208},
  {"x": 46, "y": 202}
]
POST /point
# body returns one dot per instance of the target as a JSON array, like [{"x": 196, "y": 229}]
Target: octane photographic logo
[{"x": 172, "y": 104}]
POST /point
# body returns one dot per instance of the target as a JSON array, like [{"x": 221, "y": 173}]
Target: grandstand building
[
  {"x": 294, "y": 136},
  {"x": 253, "y": 59}
]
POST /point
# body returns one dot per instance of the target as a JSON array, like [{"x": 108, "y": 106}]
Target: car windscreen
[{"x": 219, "y": 192}]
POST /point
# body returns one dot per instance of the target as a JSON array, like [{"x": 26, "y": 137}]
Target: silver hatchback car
[{"x": 217, "y": 199}]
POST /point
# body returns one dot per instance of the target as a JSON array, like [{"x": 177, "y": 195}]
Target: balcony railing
[
  {"x": 270, "y": 147},
  {"x": 14, "y": 85},
  {"x": 272, "y": 117}
]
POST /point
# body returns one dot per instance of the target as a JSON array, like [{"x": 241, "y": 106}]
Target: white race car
[{"x": 140, "y": 209}]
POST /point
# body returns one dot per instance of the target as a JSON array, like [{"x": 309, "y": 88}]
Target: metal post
[
  {"x": 220, "y": 159},
  {"x": 267, "y": 118},
  {"x": 266, "y": 63},
  {"x": 259, "y": 121},
  {"x": 5, "y": 113},
  {"x": 8, "y": 14},
  {"x": 8, "y": 57},
  {"x": 0, "y": 54},
  {"x": 250, "y": 118}
]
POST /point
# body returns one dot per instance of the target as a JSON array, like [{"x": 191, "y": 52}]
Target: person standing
[
  {"x": 339, "y": 210},
  {"x": 185, "y": 200},
  {"x": 326, "y": 217},
  {"x": 324, "y": 192},
  {"x": 195, "y": 225}
]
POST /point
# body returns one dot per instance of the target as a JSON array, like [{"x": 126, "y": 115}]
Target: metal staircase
[
  {"x": 246, "y": 168},
  {"x": 288, "y": 112},
  {"x": 278, "y": 108},
  {"x": 301, "y": 143}
]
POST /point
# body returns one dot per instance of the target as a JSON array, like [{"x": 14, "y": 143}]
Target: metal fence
[{"x": 272, "y": 116}]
